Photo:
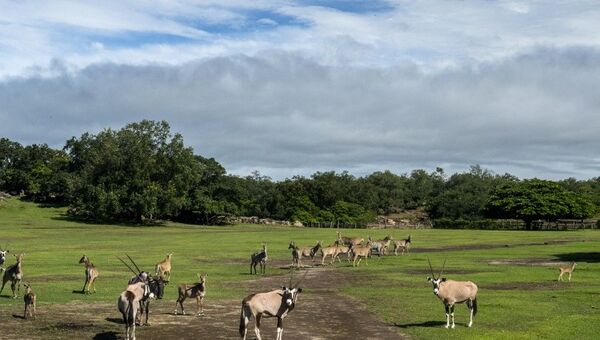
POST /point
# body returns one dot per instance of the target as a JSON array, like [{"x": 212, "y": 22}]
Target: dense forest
[{"x": 143, "y": 172}]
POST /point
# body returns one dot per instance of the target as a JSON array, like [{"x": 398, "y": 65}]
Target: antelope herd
[{"x": 133, "y": 303}]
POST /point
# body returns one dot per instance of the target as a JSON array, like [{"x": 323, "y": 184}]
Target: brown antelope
[
  {"x": 380, "y": 245},
  {"x": 332, "y": 251},
  {"x": 564, "y": 270},
  {"x": 402, "y": 244},
  {"x": 14, "y": 274},
  {"x": 277, "y": 303},
  {"x": 349, "y": 240},
  {"x": 194, "y": 290},
  {"x": 298, "y": 252},
  {"x": 343, "y": 250},
  {"x": 91, "y": 274},
  {"x": 129, "y": 305},
  {"x": 163, "y": 268},
  {"x": 453, "y": 292},
  {"x": 259, "y": 258},
  {"x": 30, "y": 301},
  {"x": 360, "y": 252}
]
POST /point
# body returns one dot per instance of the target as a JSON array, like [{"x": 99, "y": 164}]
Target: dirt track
[{"x": 321, "y": 313}]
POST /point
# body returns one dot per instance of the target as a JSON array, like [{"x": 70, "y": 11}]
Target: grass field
[{"x": 518, "y": 300}]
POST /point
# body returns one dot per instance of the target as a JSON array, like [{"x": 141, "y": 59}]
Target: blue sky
[{"x": 316, "y": 85}]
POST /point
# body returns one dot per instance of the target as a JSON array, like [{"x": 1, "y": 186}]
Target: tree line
[{"x": 143, "y": 172}]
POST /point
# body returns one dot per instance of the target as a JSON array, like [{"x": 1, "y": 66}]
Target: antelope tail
[
  {"x": 129, "y": 309},
  {"x": 474, "y": 306},
  {"x": 242, "y": 321}
]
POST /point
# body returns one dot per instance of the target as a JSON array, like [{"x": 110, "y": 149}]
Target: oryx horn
[
  {"x": 136, "y": 266},
  {"x": 442, "y": 271},
  {"x": 431, "y": 268},
  {"x": 128, "y": 266}
]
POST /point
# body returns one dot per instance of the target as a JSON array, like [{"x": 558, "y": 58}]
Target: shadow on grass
[
  {"x": 69, "y": 218},
  {"x": 422, "y": 324},
  {"x": 590, "y": 257},
  {"x": 78, "y": 292},
  {"x": 106, "y": 336},
  {"x": 18, "y": 317},
  {"x": 115, "y": 320}
]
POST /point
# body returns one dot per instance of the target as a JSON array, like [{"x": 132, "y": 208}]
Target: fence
[
  {"x": 338, "y": 224},
  {"x": 489, "y": 224}
]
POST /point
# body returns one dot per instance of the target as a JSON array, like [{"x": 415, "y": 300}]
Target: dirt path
[{"x": 322, "y": 313}]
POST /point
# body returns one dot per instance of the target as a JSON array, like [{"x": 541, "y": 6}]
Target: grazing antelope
[
  {"x": 380, "y": 246},
  {"x": 298, "y": 253},
  {"x": 564, "y": 270},
  {"x": 91, "y": 274},
  {"x": 30, "y": 301},
  {"x": 349, "y": 240},
  {"x": 14, "y": 274},
  {"x": 402, "y": 244},
  {"x": 259, "y": 258},
  {"x": 129, "y": 305},
  {"x": 163, "y": 268},
  {"x": 277, "y": 303},
  {"x": 360, "y": 252},
  {"x": 194, "y": 290},
  {"x": 157, "y": 290},
  {"x": 453, "y": 292}
]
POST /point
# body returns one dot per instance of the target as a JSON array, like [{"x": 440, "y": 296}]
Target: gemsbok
[
  {"x": 349, "y": 241},
  {"x": 402, "y": 244},
  {"x": 299, "y": 252},
  {"x": 30, "y": 302},
  {"x": 277, "y": 303},
  {"x": 568, "y": 270},
  {"x": 259, "y": 258},
  {"x": 193, "y": 290},
  {"x": 360, "y": 252},
  {"x": 453, "y": 292},
  {"x": 14, "y": 274},
  {"x": 91, "y": 274},
  {"x": 163, "y": 268},
  {"x": 129, "y": 306}
]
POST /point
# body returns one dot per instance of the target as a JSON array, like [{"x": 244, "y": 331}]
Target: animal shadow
[
  {"x": 589, "y": 257},
  {"x": 78, "y": 292},
  {"x": 18, "y": 316},
  {"x": 106, "y": 336},
  {"x": 422, "y": 324},
  {"x": 115, "y": 320}
]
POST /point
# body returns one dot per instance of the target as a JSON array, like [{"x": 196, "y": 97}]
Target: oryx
[
  {"x": 453, "y": 292},
  {"x": 155, "y": 288},
  {"x": 129, "y": 305},
  {"x": 14, "y": 274},
  {"x": 277, "y": 303},
  {"x": 91, "y": 274},
  {"x": 194, "y": 290},
  {"x": 163, "y": 268}
]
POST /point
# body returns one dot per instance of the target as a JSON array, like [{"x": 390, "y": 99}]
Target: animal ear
[
  {"x": 299, "y": 290},
  {"x": 284, "y": 288},
  {"x": 428, "y": 278},
  {"x": 443, "y": 279}
]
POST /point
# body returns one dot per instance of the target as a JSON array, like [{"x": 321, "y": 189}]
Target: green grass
[{"x": 394, "y": 288}]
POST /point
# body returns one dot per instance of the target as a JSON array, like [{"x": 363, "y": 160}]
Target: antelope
[
  {"x": 453, "y": 292},
  {"x": 91, "y": 274},
  {"x": 30, "y": 301},
  {"x": 360, "y": 252},
  {"x": 404, "y": 244},
  {"x": 380, "y": 245},
  {"x": 330, "y": 250},
  {"x": 349, "y": 240},
  {"x": 157, "y": 289},
  {"x": 564, "y": 270},
  {"x": 298, "y": 253},
  {"x": 3, "y": 252},
  {"x": 14, "y": 274},
  {"x": 163, "y": 268},
  {"x": 194, "y": 290},
  {"x": 129, "y": 304},
  {"x": 343, "y": 249},
  {"x": 259, "y": 258},
  {"x": 277, "y": 303}
]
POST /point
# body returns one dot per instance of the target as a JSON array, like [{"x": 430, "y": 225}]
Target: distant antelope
[
  {"x": 402, "y": 244},
  {"x": 91, "y": 274},
  {"x": 299, "y": 252},
  {"x": 129, "y": 306},
  {"x": 329, "y": 251},
  {"x": 194, "y": 290},
  {"x": 14, "y": 274},
  {"x": 259, "y": 258},
  {"x": 349, "y": 240},
  {"x": 3, "y": 252},
  {"x": 343, "y": 250},
  {"x": 360, "y": 252},
  {"x": 453, "y": 292},
  {"x": 30, "y": 302},
  {"x": 380, "y": 245},
  {"x": 277, "y": 303},
  {"x": 564, "y": 270},
  {"x": 163, "y": 268}
]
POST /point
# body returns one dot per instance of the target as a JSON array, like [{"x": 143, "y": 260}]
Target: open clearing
[{"x": 388, "y": 299}]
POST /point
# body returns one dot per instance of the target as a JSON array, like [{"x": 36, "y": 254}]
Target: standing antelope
[
  {"x": 163, "y": 268},
  {"x": 3, "y": 252},
  {"x": 360, "y": 252},
  {"x": 259, "y": 258},
  {"x": 156, "y": 287},
  {"x": 343, "y": 250},
  {"x": 30, "y": 302},
  {"x": 277, "y": 303},
  {"x": 327, "y": 251},
  {"x": 380, "y": 245},
  {"x": 194, "y": 290},
  {"x": 349, "y": 240},
  {"x": 453, "y": 292},
  {"x": 14, "y": 274},
  {"x": 129, "y": 305},
  {"x": 564, "y": 270},
  {"x": 402, "y": 244},
  {"x": 298, "y": 252},
  {"x": 91, "y": 274}
]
